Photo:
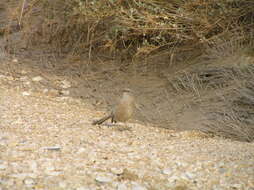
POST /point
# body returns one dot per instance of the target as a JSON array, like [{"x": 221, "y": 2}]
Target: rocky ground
[{"x": 47, "y": 142}]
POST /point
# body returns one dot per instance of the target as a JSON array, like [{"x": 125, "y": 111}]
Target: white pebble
[
  {"x": 33, "y": 166},
  {"x": 122, "y": 187},
  {"x": 23, "y": 72},
  {"x": 117, "y": 171},
  {"x": 103, "y": 179},
  {"x": 138, "y": 187},
  {"x": 50, "y": 167},
  {"x": 26, "y": 93},
  {"x": 37, "y": 79},
  {"x": 24, "y": 78},
  {"x": 3, "y": 166},
  {"x": 65, "y": 92},
  {"x": 27, "y": 83},
  {"x": 65, "y": 84},
  {"x": 190, "y": 175},
  {"x": 82, "y": 188},
  {"x": 53, "y": 173},
  {"x": 29, "y": 181},
  {"x": 62, "y": 184},
  {"x": 45, "y": 90},
  {"x": 15, "y": 60},
  {"x": 167, "y": 171},
  {"x": 81, "y": 150}
]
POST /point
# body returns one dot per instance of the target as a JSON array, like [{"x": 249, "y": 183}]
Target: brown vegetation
[
  {"x": 135, "y": 28},
  {"x": 223, "y": 92}
]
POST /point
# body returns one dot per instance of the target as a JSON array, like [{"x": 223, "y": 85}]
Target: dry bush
[
  {"x": 8, "y": 23},
  {"x": 203, "y": 79},
  {"x": 223, "y": 91},
  {"x": 228, "y": 104},
  {"x": 234, "y": 118},
  {"x": 139, "y": 28}
]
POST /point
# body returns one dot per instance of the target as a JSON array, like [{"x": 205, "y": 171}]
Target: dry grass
[
  {"x": 135, "y": 28},
  {"x": 223, "y": 92}
]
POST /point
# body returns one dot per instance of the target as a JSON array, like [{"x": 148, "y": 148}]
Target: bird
[{"x": 123, "y": 110}]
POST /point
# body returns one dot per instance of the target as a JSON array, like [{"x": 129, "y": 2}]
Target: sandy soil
[{"x": 47, "y": 142}]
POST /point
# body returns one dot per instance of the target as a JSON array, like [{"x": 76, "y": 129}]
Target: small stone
[
  {"x": 33, "y": 166},
  {"x": 45, "y": 91},
  {"x": 129, "y": 175},
  {"x": 56, "y": 148},
  {"x": 24, "y": 175},
  {"x": 221, "y": 164},
  {"x": 37, "y": 79},
  {"x": 15, "y": 60},
  {"x": 19, "y": 175},
  {"x": 24, "y": 78},
  {"x": 10, "y": 183},
  {"x": 190, "y": 175},
  {"x": 3, "y": 142},
  {"x": 23, "y": 72},
  {"x": 167, "y": 171},
  {"x": 81, "y": 150},
  {"x": 29, "y": 181},
  {"x": 236, "y": 186},
  {"x": 3, "y": 166},
  {"x": 49, "y": 166},
  {"x": 65, "y": 92},
  {"x": 27, "y": 83},
  {"x": 63, "y": 98},
  {"x": 26, "y": 93},
  {"x": 10, "y": 78},
  {"x": 117, "y": 171},
  {"x": 222, "y": 170},
  {"x": 138, "y": 187},
  {"x": 65, "y": 84},
  {"x": 62, "y": 184},
  {"x": 103, "y": 179},
  {"x": 181, "y": 164},
  {"x": 53, "y": 92},
  {"x": 122, "y": 187},
  {"x": 53, "y": 173},
  {"x": 82, "y": 188}
]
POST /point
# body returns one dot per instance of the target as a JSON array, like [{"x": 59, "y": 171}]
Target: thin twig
[{"x": 21, "y": 14}]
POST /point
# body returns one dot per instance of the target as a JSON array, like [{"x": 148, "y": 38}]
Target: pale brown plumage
[{"x": 123, "y": 110}]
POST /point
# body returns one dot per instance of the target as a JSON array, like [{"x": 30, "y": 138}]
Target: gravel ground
[{"x": 47, "y": 142}]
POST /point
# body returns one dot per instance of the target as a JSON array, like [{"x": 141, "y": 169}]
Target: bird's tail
[{"x": 100, "y": 121}]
